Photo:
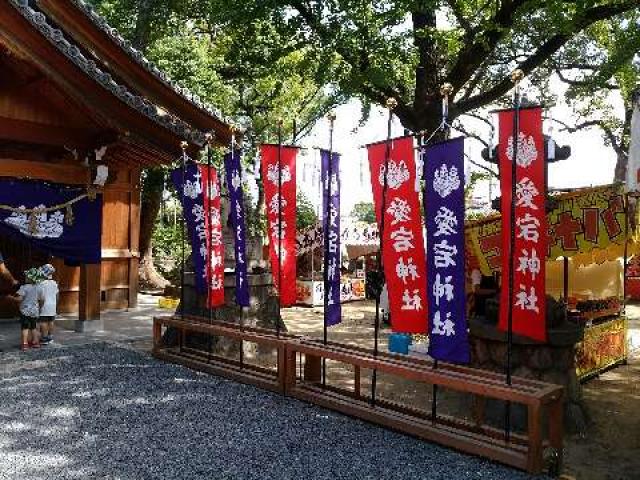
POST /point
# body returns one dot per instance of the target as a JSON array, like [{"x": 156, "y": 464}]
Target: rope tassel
[
  {"x": 68, "y": 216},
  {"x": 33, "y": 222}
]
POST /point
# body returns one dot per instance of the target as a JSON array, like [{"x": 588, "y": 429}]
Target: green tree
[
  {"x": 198, "y": 50},
  {"x": 600, "y": 66},
  {"x": 305, "y": 214},
  {"x": 364, "y": 212},
  {"x": 397, "y": 48}
]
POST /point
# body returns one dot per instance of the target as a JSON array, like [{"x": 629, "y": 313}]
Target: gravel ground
[{"x": 103, "y": 411}]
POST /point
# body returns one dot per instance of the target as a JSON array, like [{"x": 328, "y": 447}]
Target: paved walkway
[{"x": 133, "y": 325}]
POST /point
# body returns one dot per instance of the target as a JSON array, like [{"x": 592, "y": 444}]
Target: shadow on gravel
[{"x": 101, "y": 411}]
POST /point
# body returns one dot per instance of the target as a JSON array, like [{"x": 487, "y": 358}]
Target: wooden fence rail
[{"x": 297, "y": 373}]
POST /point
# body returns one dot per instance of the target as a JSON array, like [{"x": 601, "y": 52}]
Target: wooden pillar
[
  {"x": 89, "y": 305},
  {"x": 134, "y": 237}
]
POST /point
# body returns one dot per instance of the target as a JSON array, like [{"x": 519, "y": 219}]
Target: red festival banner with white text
[
  {"x": 281, "y": 215},
  {"x": 530, "y": 229},
  {"x": 214, "y": 269},
  {"x": 403, "y": 255}
]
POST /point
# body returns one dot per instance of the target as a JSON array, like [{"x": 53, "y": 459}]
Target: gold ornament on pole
[
  {"x": 391, "y": 103},
  {"x": 446, "y": 90},
  {"x": 184, "y": 145},
  {"x": 517, "y": 76}
]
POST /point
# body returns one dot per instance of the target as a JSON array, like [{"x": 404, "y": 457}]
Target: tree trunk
[
  {"x": 153, "y": 184},
  {"x": 152, "y": 189}
]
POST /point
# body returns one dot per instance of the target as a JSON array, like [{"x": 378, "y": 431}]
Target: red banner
[
  {"x": 403, "y": 245},
  {"x": 281, "y": 225},
  {"x": 528, "y": 258},
  {"x": 214, "y": 268}
]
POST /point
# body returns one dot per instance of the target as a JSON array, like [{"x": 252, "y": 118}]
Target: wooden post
[
  {"x": 89, "y": 305},
  {"x": 134, "y": 237},
  {"x": 534, "y": 433},
  {"x": 312, "y": 369},
  {"x": 356, "y": 381},
  {"x": 556, "y": 428}
]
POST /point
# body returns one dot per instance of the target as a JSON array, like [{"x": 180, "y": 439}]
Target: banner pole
[
  {"x": 516, "y": 78},
  {"x": 326, "y": 220},
  {"x": 626, "y": 253},
  {"x": 445, "y": 90},
  {"x": 391, "y": 104},
  {"x": 183, "y": 146},
  {"x": 234, "y": 147},
  {"x": 279, "y": 289}
]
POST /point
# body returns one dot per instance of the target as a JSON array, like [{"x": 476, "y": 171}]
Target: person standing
[
  {"x": 49, "y": 292},
  {"x": 30, "y": 299}
]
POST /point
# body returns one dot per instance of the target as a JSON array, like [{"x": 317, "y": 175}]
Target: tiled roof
[
  {"x": 137, "y": 55},
  {"x": 104, "y": 78}
]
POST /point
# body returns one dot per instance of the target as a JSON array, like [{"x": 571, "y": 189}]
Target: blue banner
[
  {"x": 444, "y": 214},
  {"x": 188, "y": 184},
  {"x": 72, "y": 232},
  {"x": 331, "y": 224},
  {"x": 234, "y": 185}
]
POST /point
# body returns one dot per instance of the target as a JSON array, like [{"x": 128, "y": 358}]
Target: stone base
[
  {"x": 552, "y": 362},
  {"x": 81, "y": 326}
]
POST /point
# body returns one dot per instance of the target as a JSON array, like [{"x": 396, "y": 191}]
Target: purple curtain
[
  {"x": 331, "y": 223},
  {"x": 188, "y": 184},
  {"x": 444, "y": 214},
  {"x": 234, "y": 185},
  {"x": 73, "y": 234}
]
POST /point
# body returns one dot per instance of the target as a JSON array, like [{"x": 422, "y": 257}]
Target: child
[
  {"x": 30, "y": 298},
  {"x": 49, "y": 292}
]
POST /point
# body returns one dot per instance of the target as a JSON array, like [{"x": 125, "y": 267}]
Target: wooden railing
[{"x": 297, "y": 373}]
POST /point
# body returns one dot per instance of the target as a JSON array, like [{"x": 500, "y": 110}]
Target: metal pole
[
  {"x": 391, "y": 104},
  {"x": 235, "y": 147},
  {"x": 326, "y": 222},
  {"x": 626, "y": 253},
  {"x": 445, "y": 90},
  {"x": 516, "y": 77},
  {"x": 183, "y": 146},
  {"x": 279, "y": 227}
]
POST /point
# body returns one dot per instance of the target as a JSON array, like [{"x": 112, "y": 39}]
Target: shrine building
[{"x": 80, "y": 108}]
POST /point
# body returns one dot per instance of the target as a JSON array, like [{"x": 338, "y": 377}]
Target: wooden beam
[
  {"x": 52, "y": 172},
  {"x": 42, "y": 134},
  {"x": 19, "y": 35}
]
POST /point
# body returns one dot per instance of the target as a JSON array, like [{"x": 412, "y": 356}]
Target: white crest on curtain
[
  {"x": 398, "y": 174},
  {"x": 446, "y": 180},
  {"x": 527, "y": 151},
  {"x": 193, "y": 189},
  {"x": 48, "y": 225},
  {"x": 272, "y": 174}
]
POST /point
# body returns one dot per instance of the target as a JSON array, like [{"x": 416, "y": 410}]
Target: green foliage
[
  {"x": 167, "y": 249},
  {"x": 306, "y": 215},
  {"x": 364, "y": 212},
  {"x": 474, "y": 178}
]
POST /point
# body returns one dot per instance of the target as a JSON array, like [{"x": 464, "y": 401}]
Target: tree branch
[
  {"x": 545, "y": 51},
  {"x": 462, "y": 20},
  {"x": 610, "y": 134},
  {"x": 583, "y": 83},
  {"x": 476, "y": 51}
]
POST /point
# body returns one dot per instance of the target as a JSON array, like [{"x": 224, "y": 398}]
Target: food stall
[
  {"x": 357, "y": 242},
  {"x": 589, "y": 240}
]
